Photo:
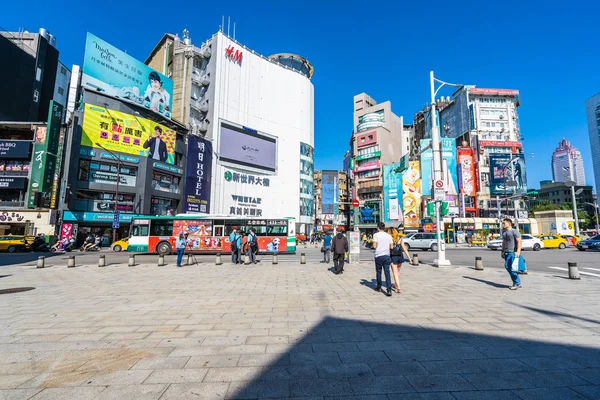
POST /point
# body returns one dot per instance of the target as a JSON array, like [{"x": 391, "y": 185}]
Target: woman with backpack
[{"x": 397, "y": 253}]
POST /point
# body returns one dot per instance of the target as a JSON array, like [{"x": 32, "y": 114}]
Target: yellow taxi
[
  {"x": 553, "y": 241},
  {"x": 120, "y": 245},
  {"x": 571, "y": 239},
  {"x": 12, "y": 243}
]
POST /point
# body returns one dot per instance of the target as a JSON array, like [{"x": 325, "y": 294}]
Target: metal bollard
[
  {"x": 415, "y": 259},
  {"x": 161, "y": 260},
  {"x": 102, "y": 261},
  {"x": 71, "y": 262},
  {"x": 131, "y": 260},
  {"x": 218, "y": 259},
  {"x": 275, "y": 259},
  {"x": 41, "y": 262},
  {"x": 302, "y": 258},
  {"x": 478, "y": 264},
  {"x": 246, "y": 259},
  {"x": 573, "y": 271}
]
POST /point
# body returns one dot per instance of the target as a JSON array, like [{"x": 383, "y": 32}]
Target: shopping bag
[
  {"x": 515, "y": 264},
  {"x": 522, "y": 264}
]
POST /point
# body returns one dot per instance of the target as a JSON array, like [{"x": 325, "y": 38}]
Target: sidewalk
[{"x": 295, "y": 331}]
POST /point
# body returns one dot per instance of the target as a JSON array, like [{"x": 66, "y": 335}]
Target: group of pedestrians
[
  {"x": 389, "y": 252},
  {"x": 239, "y": 248}
]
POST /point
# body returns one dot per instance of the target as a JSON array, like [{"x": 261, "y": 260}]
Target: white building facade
[
  {"x": 567, "y": 164},
  {"x": 592, "y": 110}
]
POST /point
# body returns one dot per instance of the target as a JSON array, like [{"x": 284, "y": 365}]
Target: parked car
[
  {"x": 529, "y": 242},
  {"x": 589, "y": 244},
  {"x": 425, "y": 241},
  {"x": 120, "y": 245},
  {"x": 553, "y": 242},
  {"x": 571, "y": 240},
  {"x": 12, "y": 243}
]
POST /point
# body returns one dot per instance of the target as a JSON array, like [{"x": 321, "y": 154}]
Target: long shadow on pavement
[{"x": 490, "y": 283}]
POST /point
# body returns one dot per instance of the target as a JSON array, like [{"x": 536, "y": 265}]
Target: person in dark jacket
[
  {"x": 339, "y": 247},
  {"x": 158, "y": 148}
]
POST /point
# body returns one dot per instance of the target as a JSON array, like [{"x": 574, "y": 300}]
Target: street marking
[
  {"x": 580, "y": 272},
  {"x": 593, "y": 269}
]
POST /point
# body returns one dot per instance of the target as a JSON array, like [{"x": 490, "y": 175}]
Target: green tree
[{"x": 545, "y": 205}]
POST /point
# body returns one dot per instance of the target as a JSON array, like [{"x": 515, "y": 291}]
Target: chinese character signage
[
  {"x": 392, "y": 193},
  {"x": 466, "y": 171},
  {"x": 198, "y": 175},
  {"x": 45, "y": 148},
  {"x": 246, "y": 194},
  {"x": 411, "y": 196},
  {"x": 110, "y": 71},
  {"x": 125, "y": 133}
]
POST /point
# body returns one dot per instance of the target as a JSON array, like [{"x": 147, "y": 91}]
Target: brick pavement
[{"x": 295, "y": 331}]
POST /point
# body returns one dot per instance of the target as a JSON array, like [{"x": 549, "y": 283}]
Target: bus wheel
[{"x": 164, "y": 248}]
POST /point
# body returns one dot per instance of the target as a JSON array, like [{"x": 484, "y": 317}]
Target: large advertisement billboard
[
  {"x": 110, "y": 71},
  {"x": 198, "y": 175},
  {"x": 45, "y": 150},
  {"x": 466, "y": 172},
  {"x": 392, "y": 193},
  {"x": 247, "y": 147},
  {"x": 448, "y": 149},
  {"x": 125, "y": 133},
  {"x": 411, "y": 195},
  {"x": 329, "y": 192},
  {"x": 504, "y": 168}
]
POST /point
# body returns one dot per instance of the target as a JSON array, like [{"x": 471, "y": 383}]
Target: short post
[
  {"x": 275, "y": 258},
  {"x": 573, "y": 271},
  {"x": 41, "y": 262},
  {"x": 102, "y": 261},
  {"x": 302, "y": 258},
  {"x": 71, "y": 262},
  {"x": 131, "y": 260},
  {"x": 478, "y": 264},
  {"x": 305, "y": 244},
  {"x": 161, "y": 260},
  {"x": 189, "y": 260},
  {"x": 246, "y": 259},
  {"x": 415, "y": 259},
  {"x": 218, "y": 259}
]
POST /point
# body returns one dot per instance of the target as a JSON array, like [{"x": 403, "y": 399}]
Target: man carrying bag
[
  {"x": 511, "y": 252},
  {"x": 339, "y": 247}
]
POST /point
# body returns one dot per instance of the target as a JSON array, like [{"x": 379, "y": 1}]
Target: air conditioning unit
[
  {"x": 203, "y": 126},
  {"x": 206, "y": 53},
  {"x": 205, "y": 80},
  {"x": 204, "y": 106}
]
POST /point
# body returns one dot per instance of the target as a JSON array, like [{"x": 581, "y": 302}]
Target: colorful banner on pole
[
  {"x": 45, "y": 150},
  {"x": 448, "y": 149},
  {"x": 466, "y": 171},
  {"x": 198, "y": 175},
  {"x": 392, "y": 193},
  {"x": 110, "y": 71},
  {"x": 411, "y": 196},
  {"x": 126, "y": 133}
]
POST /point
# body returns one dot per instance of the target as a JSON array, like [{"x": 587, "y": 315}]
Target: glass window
[
  {"x": 276, "y": 230},
  {"x": 140, "y": 230},
  {"x": 160, "y": 206},
  {"x": 165, "y": 183},
  {"x": 162, "y": 228}
]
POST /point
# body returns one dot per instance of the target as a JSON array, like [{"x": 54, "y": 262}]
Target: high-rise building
[
  {"x": 331, "y": 199},
  {"x": 567, "y": 164},
  {"x": 592, "y": 109},
  {"x": 258, "y": 114},
  {"x": 380, "y": 137}
]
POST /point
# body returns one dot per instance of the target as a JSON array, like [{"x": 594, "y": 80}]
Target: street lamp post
[
  {"x": 116, "y": 210},
  {"x": 572, "y": 185}
]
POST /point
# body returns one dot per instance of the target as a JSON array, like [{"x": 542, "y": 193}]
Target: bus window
[
  {"x": 140, "y": 230},
  {"x": 260, "y": 230},
  {"x": 162, "y": 228},
  {"x": 219, "y": 231},
  {"x": 277, "y": 230}
]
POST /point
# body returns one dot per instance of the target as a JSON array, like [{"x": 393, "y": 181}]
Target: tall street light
[
  {"x": 438, "y": 175},
  {"x": 116, "y": 214},
  {"x": 572, "y": 184}
]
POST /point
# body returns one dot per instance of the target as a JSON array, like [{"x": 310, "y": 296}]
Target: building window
[
  {"x": 36, "y": 96},
  {"x": 63, "y": 70},
  {"x": 38, "y": 74},
  {"x": 93, "y": 171},
  {"x": 61, "y": 91},
  {"x": 165, "y": 183},
  {"x": 160, "y": 206},
  {"x": 14, "y": 167}
]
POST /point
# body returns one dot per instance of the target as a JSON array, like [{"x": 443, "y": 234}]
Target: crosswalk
[{"x": 582, "y": 270}]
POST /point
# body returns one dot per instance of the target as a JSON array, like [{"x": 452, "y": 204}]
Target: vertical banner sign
[
  {"x": 45, "y": 148},
  {"x": 411, "y": 197},
  {"x": 198, "y": 175},
  {"x": 392, "y": 193},
  {"x": 466, "y": 174},
  {"x": 426, "y": 171},
  {"x": 448, "y": 146},
  {"x": 56, "y": 181},
  {"x": 329, "y": 193}
]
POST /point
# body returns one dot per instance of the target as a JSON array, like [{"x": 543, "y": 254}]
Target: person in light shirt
[{"x": 383, "y": 242}]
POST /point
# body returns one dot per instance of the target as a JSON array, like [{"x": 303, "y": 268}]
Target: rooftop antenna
[
  {"x": 222, "y": 23},
  {"x": 228, "y": 24},
  {"x": 234, "y": 31}
]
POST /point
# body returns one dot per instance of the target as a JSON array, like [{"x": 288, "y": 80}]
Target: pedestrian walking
[
  {"x": 233, "y": 240},
  {"x": 339, "y": 247},
  {"x": 383, "y": 243},
  {"x": 397, "y": 255},
  {"x": 239, "y": 245},
  {"x": 252, "y": 247},
  {"x": 511, "y": 250},
  {"x": 180, "y": 244},
  {"x": 326, "y": 249}
]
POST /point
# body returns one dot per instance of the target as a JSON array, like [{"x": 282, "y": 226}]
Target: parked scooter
[{"x": 39, "y": 245}]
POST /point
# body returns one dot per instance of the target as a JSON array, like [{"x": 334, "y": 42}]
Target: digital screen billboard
[
  {"x": 329, "y": 192},
  {"x": 125, "y": 133},
  {"x": 110, "y": 71},
  {"x": 248, "y": 148}
]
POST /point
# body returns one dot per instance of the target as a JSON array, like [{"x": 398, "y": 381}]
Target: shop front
[
  {"x": 82, "y": 223},
  {"x": 27, "y": 223}
]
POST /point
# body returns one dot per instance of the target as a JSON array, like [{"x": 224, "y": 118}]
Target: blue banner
[
  {"x": 392, "y": 193},
  {"x": 198, "y": 176},
  {"x": 110, "y": 71},
  {"x": 448, "y": 149}
]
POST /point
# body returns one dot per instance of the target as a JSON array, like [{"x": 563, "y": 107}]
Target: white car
[
  {"x": 529, "y": 243},
  {"x": 421, "y": 240}
]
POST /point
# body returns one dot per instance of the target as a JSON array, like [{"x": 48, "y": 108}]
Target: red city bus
[{"x": 209, "y": 234}]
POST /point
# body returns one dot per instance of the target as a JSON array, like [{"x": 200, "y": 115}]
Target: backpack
[
  {"x": 396, "y": 250},
  {"x": 234, "y": 243}
]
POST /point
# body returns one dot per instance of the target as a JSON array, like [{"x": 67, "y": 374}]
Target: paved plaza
[{"x": 295, "y": 331}]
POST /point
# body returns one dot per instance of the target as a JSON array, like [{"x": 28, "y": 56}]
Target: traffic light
[
  {"x": 444, "y": 208},
  {"x": 431, "y": 209}
]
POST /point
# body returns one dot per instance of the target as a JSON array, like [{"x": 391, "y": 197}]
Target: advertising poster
[
  {"x": 126, "y": 133},
  {"x": 198, "y": 175},
  {"x": 110, "y": 71},
  {"x": 426, "y": 172},
  {"x": 499, "y": 173},
  {"x": 466, "y": 173},
  {"x": 248, "y": 147},
  {"x": 44, "y": 159},
  {"x": 411, "y": 195},
  {"x": 448, "y": 149},
  {"x": 14, "y": 149},
  {"x": 329, "y": 192},
  {"x": 392, "y": 194}
]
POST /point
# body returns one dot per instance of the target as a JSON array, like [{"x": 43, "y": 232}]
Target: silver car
[
  {"x": 528, "y": 243},
  {"x": 425, "y": 241}
]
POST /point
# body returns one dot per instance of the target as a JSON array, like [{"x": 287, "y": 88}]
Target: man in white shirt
[{"x": 383, "y": 242}]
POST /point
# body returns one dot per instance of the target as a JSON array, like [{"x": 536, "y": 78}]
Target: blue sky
[{"x": 547, "y": 50}]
